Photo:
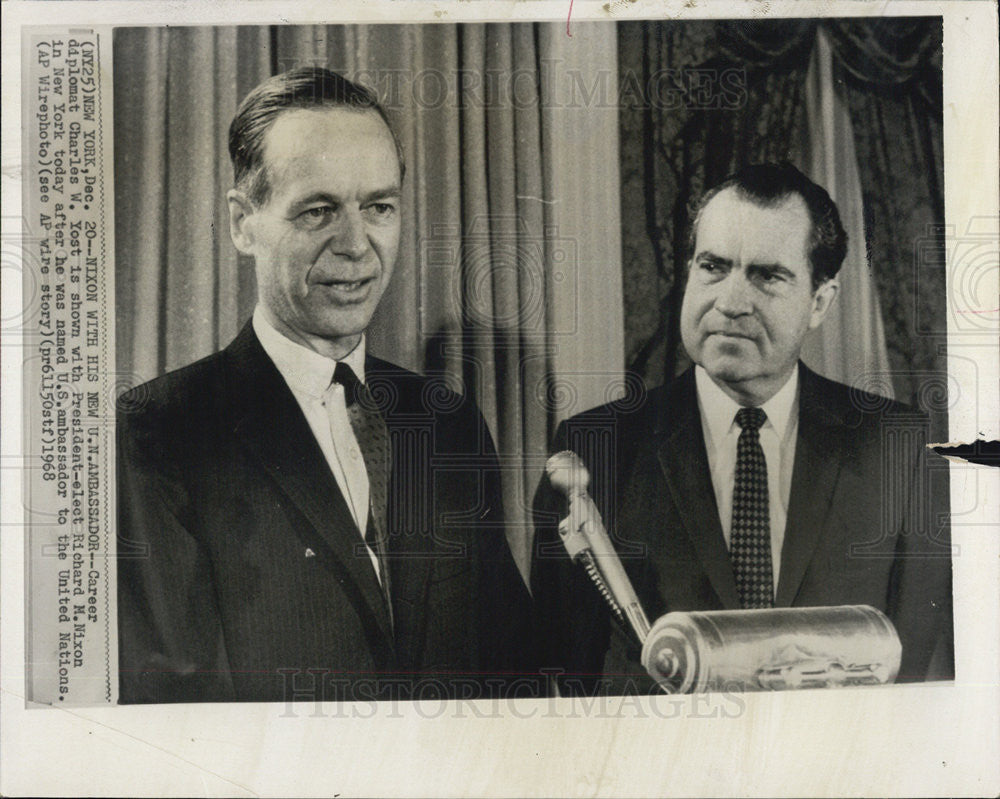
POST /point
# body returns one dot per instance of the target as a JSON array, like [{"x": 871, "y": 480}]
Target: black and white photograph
[{"x": 563, "y": 374}]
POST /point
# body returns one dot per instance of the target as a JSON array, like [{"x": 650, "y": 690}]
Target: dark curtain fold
[
  {"x": 738, "y": 95},
  {"x": 771, "y": 44},
  {"x": 891, "y": 52},
  {"x": 891, "y": 77}
]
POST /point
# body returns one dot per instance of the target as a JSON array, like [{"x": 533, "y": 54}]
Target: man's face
[
  {"x": 325, "y": 242},
  {"x": 749, "y": 300}
]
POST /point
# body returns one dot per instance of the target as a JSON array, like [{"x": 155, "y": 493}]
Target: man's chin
[
  {"x": 340, "y": 322},
  {"x": 339, "y": 332},
  {"x": 340, "y": 329},
  {"x": 728, "y": 369}
]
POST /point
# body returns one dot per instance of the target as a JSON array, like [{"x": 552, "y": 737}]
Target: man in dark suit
[
  {"x": 299, "y": 520},
  {"x": 750, "y": 481}
]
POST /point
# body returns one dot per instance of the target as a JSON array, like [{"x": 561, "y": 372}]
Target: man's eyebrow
[
  {"x": 383, "y": 194},
  {"x": 315, "y": 197},
  {"x": 772, "y": 268},
  {"x": 711, "y": 257},
  {"x": 325, "y": 197}
]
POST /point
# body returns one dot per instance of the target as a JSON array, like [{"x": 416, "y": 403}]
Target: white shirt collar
[
  {"x": 718, "y": 409},
  {"x": 305, "y": 370}
]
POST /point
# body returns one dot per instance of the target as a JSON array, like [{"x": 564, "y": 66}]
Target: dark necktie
[
  {"x": 373, "y": 439},
  {"x": 750, "y": 534}
]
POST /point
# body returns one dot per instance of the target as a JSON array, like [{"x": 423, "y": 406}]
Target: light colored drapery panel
[
  {"x": 509, "y": 276},
  {"x": 140, "y": 185},
  {"x": 850, "y": 344},
  {"x": 587, "y": 325},
  {"x": 503, "y": 267},
  {"x": 182, "y": 292}
]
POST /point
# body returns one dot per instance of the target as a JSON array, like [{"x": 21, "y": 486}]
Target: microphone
[
  {"x": 586, "y": 541},
  {"x": 776, "y": 649}
]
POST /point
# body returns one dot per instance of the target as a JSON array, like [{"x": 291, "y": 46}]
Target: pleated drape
[
  {"x": 181, "y": 290},
  {"x": 850, "y": 344}
]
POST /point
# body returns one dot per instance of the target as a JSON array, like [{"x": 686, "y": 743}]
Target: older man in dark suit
[
  {"x": 750, "y": 481},
  {"x": 299, "y": 519}
]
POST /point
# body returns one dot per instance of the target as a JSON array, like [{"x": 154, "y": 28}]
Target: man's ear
[
  {"x": 823, "y": 299},
  {"x": 241, "y": 213}
]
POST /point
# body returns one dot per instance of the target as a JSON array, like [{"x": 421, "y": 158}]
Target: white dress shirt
[
  {"x": 777, "y": 439},
  {"x": 310, "y": 377}
]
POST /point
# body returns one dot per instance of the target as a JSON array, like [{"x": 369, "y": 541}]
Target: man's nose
[
  {"x": 351, "y": 238},
  {"x": 735, "y": 295}
]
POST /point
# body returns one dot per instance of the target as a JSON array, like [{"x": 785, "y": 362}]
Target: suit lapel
[
  {"x": 684, "y": 462},
  {"x": 271, "y": 426},
  {"x": 819, "y": 454}
]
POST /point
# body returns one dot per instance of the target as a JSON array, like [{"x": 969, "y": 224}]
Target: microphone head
[{"x": 567, "y": 473}]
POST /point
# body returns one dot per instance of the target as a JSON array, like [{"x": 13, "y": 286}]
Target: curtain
[
  {"x": 890, "y": 73},
  {"x": 181, "y": 291},
  {"x": 850, "y": 344},
  {"x": 742, "y": 93},
  {"x": 509, "y": 277}
]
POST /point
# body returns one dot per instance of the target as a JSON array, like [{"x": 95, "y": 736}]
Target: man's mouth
[{"x": 348, "y": 287}]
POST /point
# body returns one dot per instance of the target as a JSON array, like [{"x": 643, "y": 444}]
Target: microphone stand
[{"x": 587, "y": 542}]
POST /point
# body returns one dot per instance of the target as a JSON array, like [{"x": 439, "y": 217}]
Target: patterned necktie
[
  {"x": 373, "y": 439},
  {"x": 750, "y": 547}
]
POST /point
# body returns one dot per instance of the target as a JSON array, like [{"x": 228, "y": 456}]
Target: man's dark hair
[
  {"x": 305, "y": 87},
  {"x": 770, "y": 185}
]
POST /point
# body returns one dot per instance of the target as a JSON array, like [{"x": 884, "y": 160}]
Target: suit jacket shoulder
[{"x": 848, "y": 406}]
